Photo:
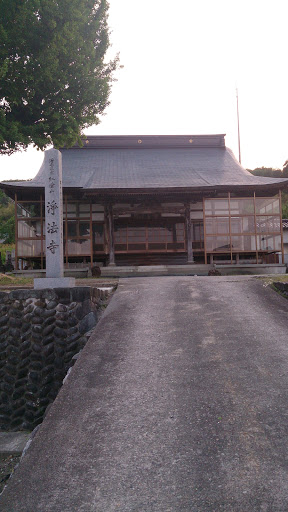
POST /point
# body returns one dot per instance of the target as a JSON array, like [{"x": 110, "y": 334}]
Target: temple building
[{"x": 142, "y": 200}]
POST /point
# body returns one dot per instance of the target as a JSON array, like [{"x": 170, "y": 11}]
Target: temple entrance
[
  {"x": 148, "y": 236},
  {"x": 150, "y": 241}
]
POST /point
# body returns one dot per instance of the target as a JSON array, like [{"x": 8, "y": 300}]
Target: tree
[
  {"x": 7, "y": 219},
  {"x": 275, "y": 173},
  {"x": 267, "y": 171},
  {"x": 285, "y": 169},
  {"x": 4, "y": 200},
  {"x": 53, "y": 79},
  {"x": 285, "y": 194}
]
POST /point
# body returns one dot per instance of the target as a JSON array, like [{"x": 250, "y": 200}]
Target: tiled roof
[{"x": 171, "y": 163}]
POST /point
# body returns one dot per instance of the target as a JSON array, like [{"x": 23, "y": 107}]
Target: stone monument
[{"x": 53, "y": 224}]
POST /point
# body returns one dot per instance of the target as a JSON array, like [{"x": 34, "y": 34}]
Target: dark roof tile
[{"x": 152, "y": 167}]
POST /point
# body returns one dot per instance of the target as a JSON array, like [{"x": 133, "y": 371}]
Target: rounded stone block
[
  {"x": 36, "y": 348},
  {"x": 11, "y": 369},
  {"x": 51, "y": 305},
  {"x": 48, "y": 349},
  {"x": 15, "y": 333},
  {"x": 61, "y": 324},
  {"x": 47, "y": 313},
  {"x": 15, "y": 313},
  {"x": 4, "y": 329},
  {"x": 25, "y": 354},
  {"x": 4, "y": 320},
  {"x": 22, "y": 373},
  {"x": 26, "y": 344},
  {"x": 36, "y": 321},
  {"x": 34, "y": 376},
  {"x": 47, "y": 340},
  {"x": 10, "y": 379},
  {"x": 36, "y": 365},
  {"x": 36, "y": 357},
  {"x": 15, "y": 322},
  {"x": 48, "y": 321},
  {"x": 28, "y": 309},
  {"x": 25, "y": 326},
  {"x": 88, "y": 322},
  {"x": 48, "y": 329},
  {"x": 60, "y": 333}
]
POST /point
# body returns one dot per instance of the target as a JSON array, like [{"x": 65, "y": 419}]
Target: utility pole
[{"x": 238, "y": 127}]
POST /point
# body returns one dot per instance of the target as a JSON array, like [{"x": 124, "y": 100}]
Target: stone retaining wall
[{"x": 40, "y": 332}]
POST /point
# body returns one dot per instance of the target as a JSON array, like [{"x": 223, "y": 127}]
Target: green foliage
[
  {"x": 53, "y": 79},
  {"x": 270, "y": 172},
  {"x": 4, "y": 200},
  {"x": 285, "y": 205},
  {"x": 267, "y": 171},
  {"x": 4, "y": 248},
  {"x": 7, "y": 219},
  {"x": 275, "y": 173}
]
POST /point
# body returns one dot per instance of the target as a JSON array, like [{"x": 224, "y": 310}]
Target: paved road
[{"x": 178, "y": 403}]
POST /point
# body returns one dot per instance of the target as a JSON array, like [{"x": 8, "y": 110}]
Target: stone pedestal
[{"x": 54, "y": 282}]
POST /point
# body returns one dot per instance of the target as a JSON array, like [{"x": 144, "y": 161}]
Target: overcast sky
[{"x": 182, "y": 62}]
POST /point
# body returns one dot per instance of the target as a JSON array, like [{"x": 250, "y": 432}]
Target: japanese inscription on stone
[{"x": 54, "y": 214}]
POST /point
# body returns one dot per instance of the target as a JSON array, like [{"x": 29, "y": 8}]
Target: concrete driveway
[{"x": 177, "y": 403}]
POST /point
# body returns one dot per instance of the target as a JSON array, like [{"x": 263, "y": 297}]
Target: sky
[{"x": 181, "y": 63}]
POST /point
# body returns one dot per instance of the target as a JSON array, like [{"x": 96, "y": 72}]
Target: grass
[
  {"x": 280, "y": 278},
  {"x": 7, "y": 465},
  {"x": 8, "y": 280}
]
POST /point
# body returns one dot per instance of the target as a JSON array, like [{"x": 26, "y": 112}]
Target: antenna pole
[{"x": 238, "y": 127}]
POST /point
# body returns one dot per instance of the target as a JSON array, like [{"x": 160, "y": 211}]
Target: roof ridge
[{"x": 150, "y": 141}]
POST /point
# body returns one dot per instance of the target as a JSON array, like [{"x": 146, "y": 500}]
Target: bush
[{"x": 4, "y": 248}]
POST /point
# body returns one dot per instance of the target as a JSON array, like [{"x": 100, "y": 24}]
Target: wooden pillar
[
  {"x": 16, "y": 234},
  {"x": 204, "y": 229},
  {"x": 91, "y": 237},
  {"x": 230, "y": 230},
  {"x": 255, "y": 229},
  {"x": 42, "y": 231},
  {"x": 65, "y": 218},
  {"x": 190, "y": 258},
  {"x": 111, "y": 236},
  {"x": 174, "y": 234},
  {"x": 106, "y": 231},
  {"x": 281, "y": 225}
]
